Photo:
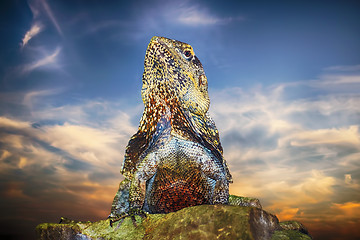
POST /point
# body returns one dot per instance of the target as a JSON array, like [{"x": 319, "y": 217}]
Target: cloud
[
  {"x": 297, "y": 154},
  {"x": 31, "y": 97},
  {"x": 344, "y": 136},
  {"x": 348, "y": 210},
  {"x": 35, "y": 29},
  {"x": 163, "y": 16},
  {"x": 49, "y": 60},
  {"x": 8, "y": 123},
  {"x": 71, "y": 165},
  {"x": 39, "y": 7},
  {"x": 344, "y": 68},
  {"x": 51, "y": 15},
  {"x": 95, "y": 146},
  {"x": 193, "y": 15},
  {"x": 71, "y": 134},
  {"x": 341, "y": 79}
]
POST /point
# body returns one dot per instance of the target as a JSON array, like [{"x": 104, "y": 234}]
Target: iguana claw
[{"x": 132, "y": 213}]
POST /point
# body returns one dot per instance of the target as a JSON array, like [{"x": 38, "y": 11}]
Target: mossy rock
[
  {"x": 214, "y": 222},
  {"x": 290, "y": 235},
  {"x": 198, "y": 222}
]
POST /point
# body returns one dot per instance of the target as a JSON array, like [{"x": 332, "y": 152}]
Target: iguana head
[{"x": 172, "y": 71}]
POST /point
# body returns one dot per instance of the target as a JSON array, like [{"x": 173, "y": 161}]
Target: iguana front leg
[
  {"x": 213, "y": 169},
  {"x": 137, "y": 189},
  {"x": 120, "y": 204},
  {"x": 145, "y": 171}
]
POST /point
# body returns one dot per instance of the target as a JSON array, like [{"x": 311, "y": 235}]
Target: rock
[
  {"x": 290, "y": 235},
  {"x": 215, "y": 222},
  {"x": 291, "y": 230},
  {"x": 293, "y": 225},
  {"x": 198, "y": 222}
]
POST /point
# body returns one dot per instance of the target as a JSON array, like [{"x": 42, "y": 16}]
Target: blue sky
[{"x": 284, "y": 83}]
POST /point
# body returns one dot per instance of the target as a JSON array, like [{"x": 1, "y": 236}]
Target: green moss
[
  {"x": 119, "y": 230},
  {"x": 290, "y": 235},
  {"x": 202, "y": 222},
  {"x": 54, "y": 231},
  {"x": 293, "y": 225}
]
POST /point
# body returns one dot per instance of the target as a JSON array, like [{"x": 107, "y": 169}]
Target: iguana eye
[{"x": 188, "y": 54}]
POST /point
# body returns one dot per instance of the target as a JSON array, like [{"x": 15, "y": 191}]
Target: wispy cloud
[
  {"x": 344, "y": 68},
  {"x": 51, "y": 16},
  {"x": 164, "y": 16},
  {"x": 31, "y": 98},
  {"x": 194, "y": 15},
  {"x": 39, "y": 7},
  {"x": 103, "y": 25},
  {"x": 330, "y": 79},
  {"x": 35, "y": 29},
  {"x": 49, "y": 60}
]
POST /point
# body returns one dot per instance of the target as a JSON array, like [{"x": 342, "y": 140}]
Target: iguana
[{"x": 175, "y": 160}]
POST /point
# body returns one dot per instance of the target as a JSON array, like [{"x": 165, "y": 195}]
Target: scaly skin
[{"x": 175, "y": 160}]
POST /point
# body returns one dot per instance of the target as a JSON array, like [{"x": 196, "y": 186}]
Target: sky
[{"x": 284, "y": 85}]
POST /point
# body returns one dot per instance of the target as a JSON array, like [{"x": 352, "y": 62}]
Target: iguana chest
[{"x": 181, "y": 179}]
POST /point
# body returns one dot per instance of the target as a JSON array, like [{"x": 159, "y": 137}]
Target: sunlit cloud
[
  {"x": 348, "y": 137},
  {"x": 348, "y": 209},
  {"x": 95, "y": 146},
  {"x": 67, "y": 164},
  {"x": 298, "y": 155},
  {"x": 293, "y": 153},
  {"x": 9, "y": 123},
  {"x": 35, "y": 29},
  {"x": 70, "y": 157},
  {"x": 82, "y": 141}
]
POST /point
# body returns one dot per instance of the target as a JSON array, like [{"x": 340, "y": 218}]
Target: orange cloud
[{"x": 349, "y": 210}]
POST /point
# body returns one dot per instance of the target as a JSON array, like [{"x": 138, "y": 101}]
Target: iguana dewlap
[{"x": 175, "y": 160}]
